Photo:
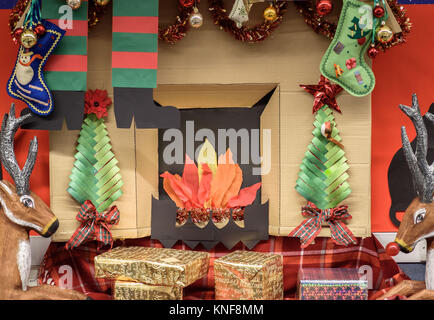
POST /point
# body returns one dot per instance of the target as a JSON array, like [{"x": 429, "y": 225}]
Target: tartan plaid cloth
[
  {"x": 309, "y": 229},
  {"x": 94, "y": 225},
  {"x": 74, "y": 269}
]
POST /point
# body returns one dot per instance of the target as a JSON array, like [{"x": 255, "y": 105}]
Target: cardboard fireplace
[{"x": 217, "y": 83}]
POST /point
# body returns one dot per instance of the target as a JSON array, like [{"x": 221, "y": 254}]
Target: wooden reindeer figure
[
  {"x": 418, "y": 220},
  {"x": 20, "y": 211}
]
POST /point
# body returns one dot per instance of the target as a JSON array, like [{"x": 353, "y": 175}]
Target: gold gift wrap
[
  {"x": 248, "y": 275},
  {"x": 155, "y": 266},
  {"x": 123, "y": 290}
]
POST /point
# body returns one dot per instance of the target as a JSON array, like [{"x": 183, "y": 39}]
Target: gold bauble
[
  {"x": 74, "y": 4},
  {"x": 270, "y": 13},
  {"x": 102, "y": 2},
  {"x": 196, "y": 19},
  {"x": 28, "y": 39},
  {"x": 384, "y": 34}
]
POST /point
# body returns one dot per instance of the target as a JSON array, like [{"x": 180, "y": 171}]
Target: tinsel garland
[
  {"x": 255, "y": 34},
  {"x": 16, "y": 13},
  {"x": 177, "y": 30},
  {"x": 327, "y": 28}
]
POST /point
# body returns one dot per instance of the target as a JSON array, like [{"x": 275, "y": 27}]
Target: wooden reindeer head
[
  {"x": 418, "y": 220},
  {"x": 21, "y": 206}
]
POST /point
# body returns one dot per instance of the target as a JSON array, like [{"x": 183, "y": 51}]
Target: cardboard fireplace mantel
[{"x": 209, "y": 69}]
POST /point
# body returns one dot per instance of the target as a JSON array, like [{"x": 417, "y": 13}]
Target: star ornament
[{"x": 324, "y": 94}]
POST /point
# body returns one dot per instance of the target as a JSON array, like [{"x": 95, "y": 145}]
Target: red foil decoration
[
  {"x": 324, "y": 7},
  {"x": 186, "y": 3},
  {"x": 325, "y": 94}
]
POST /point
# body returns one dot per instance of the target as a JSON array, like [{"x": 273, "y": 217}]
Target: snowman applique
[{"x": 25, "y": 72}]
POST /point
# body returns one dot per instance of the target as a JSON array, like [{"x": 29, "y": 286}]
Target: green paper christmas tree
[
  {"x": 323, "y": 178},
  {"x": 95, "y": 175}
]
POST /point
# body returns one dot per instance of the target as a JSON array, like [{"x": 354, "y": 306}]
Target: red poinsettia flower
[{"x": 96, "y": 102}]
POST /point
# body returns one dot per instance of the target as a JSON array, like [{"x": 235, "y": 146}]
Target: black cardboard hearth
[
  {"x": 164, "y": 228},
  {"x": 68, "y": 105},
  {"x": 163, "y": 220},
  {"x": 401, "y": 187},
  {"x": 139, "y": 103}
]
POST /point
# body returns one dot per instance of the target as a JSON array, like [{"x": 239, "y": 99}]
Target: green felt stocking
[{"x": 343, "y": 61}]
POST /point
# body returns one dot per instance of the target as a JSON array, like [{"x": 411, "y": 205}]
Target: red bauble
[
  {"x": 372, "y": 52},
  {"x": 392, "y": 249},
  {"x": 39, "y": 29},
  {"x": 186, "y": 3},
  {"x": 17, "y": 34},
  {"x": 324, "y": 7},
  {"x": 378, "y": 11}
]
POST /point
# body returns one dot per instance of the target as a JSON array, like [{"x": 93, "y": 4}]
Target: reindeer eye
[
  {"x": 27, "y": 201},
  {"x": 419, "y": 215}
]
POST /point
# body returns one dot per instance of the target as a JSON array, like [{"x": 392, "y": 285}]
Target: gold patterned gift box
[
  {"x": 248, "y": 275},
  {"x": 124, "y": 290},
  {"x": 152, "y": 266}
]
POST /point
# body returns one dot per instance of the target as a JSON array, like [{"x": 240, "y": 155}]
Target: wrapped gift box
[
  {"x": 248, "y": 275},
  {"x": 124, "y": 290},
  {"x": 152, "y": 266},
  {"x": 331, "y": 284}
]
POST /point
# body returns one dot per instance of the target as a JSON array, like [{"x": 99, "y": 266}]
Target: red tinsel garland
[
  {"x": 255, "y": 34},
  {"x": 16, "y": 13},
  {"x": 327, "y": 28},
  {"x": 178, "y": 30}
]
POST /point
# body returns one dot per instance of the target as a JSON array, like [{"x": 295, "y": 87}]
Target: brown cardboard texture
[{"x": 209, "y": 69}]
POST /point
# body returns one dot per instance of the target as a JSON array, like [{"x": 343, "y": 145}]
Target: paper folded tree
[{"x": 211, "y": 189}]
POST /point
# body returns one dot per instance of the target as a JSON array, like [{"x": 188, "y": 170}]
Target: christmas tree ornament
[
  {"x": 17, "y": 34},
  {"x": 39, "y": 29},
  {"x": 28, "y": 38},
  {"x": 95, "y": 180},
  {"x": 384, "y": 34},
  {"x": 240, "y": 12},
  {"x": 270, "y": 13},
  {"x": 102, "y": 2},
  {"x": 322, "y": 181},
  {"x": 74, "y": 4},
  {"x": 378, "y": 11},
  {"x": 186, "y": 3},
  {"x": 196, "y": 18},
  {"x": 27, "y": 82},
  {"x": 352, "y": 39},
  {"x": 324, "y": 7},
  {"x": 372, "y": 51}
]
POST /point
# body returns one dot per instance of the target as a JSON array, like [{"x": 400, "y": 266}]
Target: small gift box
[
  {"x": 152, "y": 266},
  {"x": 248, "y": 275},
  {"x": 124, "y": 290},
  {"x": 331, "y": 284}
]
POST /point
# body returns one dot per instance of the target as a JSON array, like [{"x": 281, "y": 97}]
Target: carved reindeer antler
[
  {"x": 421, "y": 171},
  {"x": 9, "y": 127}
]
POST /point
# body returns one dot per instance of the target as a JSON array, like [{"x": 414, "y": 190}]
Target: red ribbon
[
  {"x": 94, "y": 225},
  {"x": 309, "y": 229}
]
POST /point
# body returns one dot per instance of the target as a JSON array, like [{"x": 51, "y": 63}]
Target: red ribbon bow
[
  {"x": 94, "y": 225},
  {"x": 309, "y": 229}
]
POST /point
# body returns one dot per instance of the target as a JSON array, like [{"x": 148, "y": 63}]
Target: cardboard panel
[{"x": 210, "y": 69}]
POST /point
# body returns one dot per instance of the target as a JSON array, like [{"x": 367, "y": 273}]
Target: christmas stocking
[
  {"x": 343, "y": 61},
  {"x": 27, "y": 81}
]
